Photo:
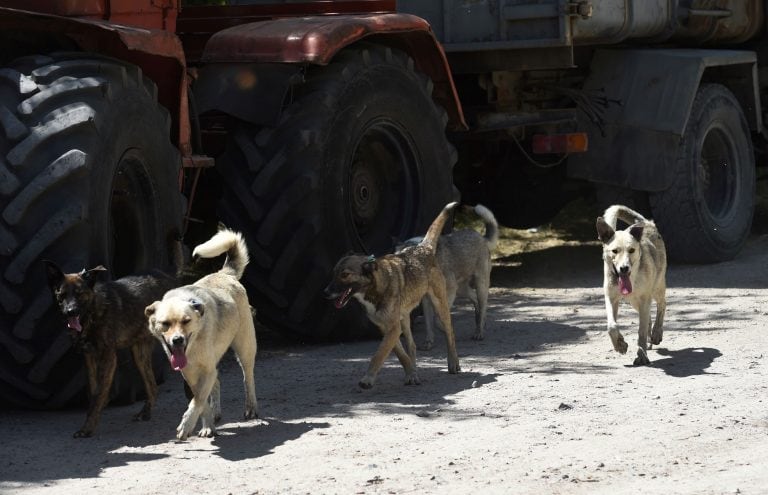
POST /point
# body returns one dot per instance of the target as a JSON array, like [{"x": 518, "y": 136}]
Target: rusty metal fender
[
  {"x": 316, "y": 40},
  {"x": 159, "y": 54}
]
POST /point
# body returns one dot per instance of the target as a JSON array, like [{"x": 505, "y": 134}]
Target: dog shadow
[
  {"x": 258, "y": 438},
  {"x": 686, "y": 362}
]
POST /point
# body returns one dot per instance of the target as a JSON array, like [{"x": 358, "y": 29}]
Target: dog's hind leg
[
  {"x": 106, "y": 372},
  {"x": 481, "y": 307},
  {"x": 405, "y": 329},
  {"x": 661, "y": 308},
  {"x": 142, "y": 356},
  {"x": 390, "y": 338},
  {"x": 411, "y": 378},
  {"x": 437, "y": 295},
  {"x": 244, "y": 346},
  {"x": 643, "y": 333},
  {"x": 611, "y": 311},
  {"x": 214, "y": 401},
  {"x": 429, "y": 323}
]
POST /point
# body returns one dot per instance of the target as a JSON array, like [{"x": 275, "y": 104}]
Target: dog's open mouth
[
  {"x": 343, "y": 299},
  {"x": 73, "y": 323},
  {"x": 625, "y": 286},
  {"x": 178, "y": 358}
]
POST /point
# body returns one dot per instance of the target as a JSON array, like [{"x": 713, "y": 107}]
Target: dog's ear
[
  {"x": 197, "y": 306},
  {"x": 54, "y": 273},
  {"x": 369, "y": 266},
  {"x": 150, "y": 310},
  {"x": 637, "y": 231},
  {"x": 604, "y": 231},
  {"x": 93, "y": 275}
]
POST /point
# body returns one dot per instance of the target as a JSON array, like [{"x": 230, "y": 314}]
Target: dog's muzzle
[{"x": 341, "y": 298}]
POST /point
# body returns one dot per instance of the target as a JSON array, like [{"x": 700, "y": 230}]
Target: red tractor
[{"x": 326, "y": 121}]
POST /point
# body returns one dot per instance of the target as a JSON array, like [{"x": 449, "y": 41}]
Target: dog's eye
[
  {"x": 615, "y": 251},
  {"x": 631, "y": 250},
  {"x": 345, "y": 276},
  {"x": 164, "y": 324},
  {"x": 185, "y": 321}
]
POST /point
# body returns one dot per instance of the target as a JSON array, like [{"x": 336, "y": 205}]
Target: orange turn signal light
[{"x": 573, "y": 142}]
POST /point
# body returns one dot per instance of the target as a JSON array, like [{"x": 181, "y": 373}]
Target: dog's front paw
[
  {"x": 366, "y": 382},
  {"x": 206, "y": 432},
  {"x": 82, "y": 433},
  {"x": 454, "y": 368},
  {"x": 251, "y": 413},
  {"x": 656, "y": 337},
  {"x": 478, "y": 336},
  {"x": 620, "y": 345},
  {"x": 641, "y": 359},
  {"x": 412, "y": 379},
  {"x": 181, "y": 432}
]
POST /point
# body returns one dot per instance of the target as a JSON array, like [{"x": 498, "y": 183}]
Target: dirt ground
[{"x": 543, "y": 404}]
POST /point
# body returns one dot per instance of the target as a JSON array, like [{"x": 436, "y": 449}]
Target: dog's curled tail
[
  {"x": 623, "y": 213},
  {"x": 226, "y": 241},
  {"x": 433, "y": 234},
  {"x": 491, "y": 226}
]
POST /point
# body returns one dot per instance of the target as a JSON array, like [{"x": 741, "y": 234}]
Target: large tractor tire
[
  {"x": 358, "y": 161},
  {"x": 88, "y": 176},
  {"x": 706, "y": 214}
]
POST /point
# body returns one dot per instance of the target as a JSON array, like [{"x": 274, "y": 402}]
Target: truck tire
[
  {"x": 88, "y": 176},
  {"x": 706, "y": 214},
  {"x": 358, "y": 160}
]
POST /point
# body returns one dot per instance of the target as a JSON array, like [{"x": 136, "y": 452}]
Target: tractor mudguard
[
  {"x": 159, "y": 53},
  {"x": 316, "y": 40}
]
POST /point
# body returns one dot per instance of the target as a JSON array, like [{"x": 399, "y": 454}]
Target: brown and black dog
[
  {"x": 389, "y": 288},
  {"x": 102, "y": 317}
]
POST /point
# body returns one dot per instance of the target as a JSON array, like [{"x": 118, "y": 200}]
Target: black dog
[{"x": 103, "y": 317}]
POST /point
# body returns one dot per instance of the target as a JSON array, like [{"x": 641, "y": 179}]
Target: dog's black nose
[
  {"x": 623, "y": 269},
  {"x": 178, "y": 341},
  {"x": 70, "y": 312},
  {"x": 328, "y": 292}
]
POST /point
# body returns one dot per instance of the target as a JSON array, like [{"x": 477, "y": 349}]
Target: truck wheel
[
  {"x": 87, "y": 176},
  {"x": 358, "y": 161},
  {"x": 706, "y": 214}
]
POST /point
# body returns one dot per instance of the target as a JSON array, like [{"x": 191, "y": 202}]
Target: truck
[{"x": 321, "y": 127}]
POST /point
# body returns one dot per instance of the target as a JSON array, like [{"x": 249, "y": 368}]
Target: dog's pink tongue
[
  {"x": 178, "y": 359},
  {"x": 625, "y": 286},
  {"x": 73, "y": 322}
]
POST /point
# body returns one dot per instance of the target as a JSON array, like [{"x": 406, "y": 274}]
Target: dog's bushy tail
[
  {"x": 491, "y": 226},
  {"x": 230, "y": 242},
  {"x": 433, "y": 234},
  {"x": 623, "y": 213}
]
